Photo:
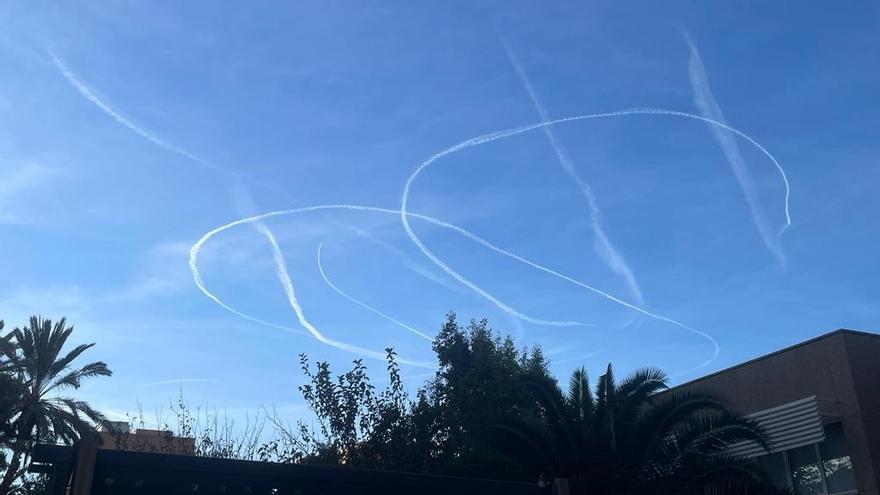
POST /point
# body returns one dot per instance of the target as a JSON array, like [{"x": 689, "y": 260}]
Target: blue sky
[{"x": 129, "y": 130}]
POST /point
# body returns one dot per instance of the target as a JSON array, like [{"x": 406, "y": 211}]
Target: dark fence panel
[{"x": 119, "y": 472}]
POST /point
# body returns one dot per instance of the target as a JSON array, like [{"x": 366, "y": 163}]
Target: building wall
[
  {"x": 864, "y": 358},
  {"x": 151, "y": 441},
  {"x": 841, "y": 369}
]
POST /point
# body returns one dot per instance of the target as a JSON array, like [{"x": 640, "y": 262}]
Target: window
[
  {"x": 805, "y": 474},
  {"x": 819, "y": 469},
  {"x": 836, "y": 462}
]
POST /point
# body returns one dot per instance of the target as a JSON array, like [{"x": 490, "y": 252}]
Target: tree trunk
[
  {"x": 12, "y": 471},
  {"x": 18, "y": 450}
]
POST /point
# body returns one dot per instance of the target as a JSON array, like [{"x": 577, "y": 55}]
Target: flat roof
[{"x": 839, "y": 331}]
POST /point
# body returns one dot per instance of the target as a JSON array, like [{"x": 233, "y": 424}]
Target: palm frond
[
  {"x": 654, "y": 424},
  {"x": 643, "y": 382},
  {"x": 580, "y": 398},
  {"x": 74, "y": 378},
  {"x": 711, "y": 434},
  {"x": 62, "y": 364}
]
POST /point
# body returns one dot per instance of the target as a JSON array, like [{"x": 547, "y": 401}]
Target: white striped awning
[{"x": 787, "y": 427}]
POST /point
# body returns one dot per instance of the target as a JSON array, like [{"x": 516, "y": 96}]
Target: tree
[
  {"x": 633, "y": 437},
  {"x": 11, "y": 390},
  {"x": 492, "y": 410},
  {"x": 479, "y": 385},
  {"x": 356, "y": 425},
  {"x": 8, "y": 394},
  {"x": 33, "y": 356}
]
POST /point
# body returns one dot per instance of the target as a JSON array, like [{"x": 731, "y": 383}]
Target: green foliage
[
  {"x": 10, "y": 392},
  {"x": 356, "y": 425},
  {"x": 478, "y": 384},
  {"x": 631, "y": 438},
  {"x": 36, "y": 372},
  {"x": 482, "y": 381},
  {"x": 32, "y": 484},
  {"x": 492, "y": 410}
]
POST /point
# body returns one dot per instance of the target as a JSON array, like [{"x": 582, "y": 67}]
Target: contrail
[
  {"x": 709, "y": 108},
  {"x": 602, "y": 245},
  {"x": 281, "y": 271},
  {"x": 239, "y": 190},
  {"x": 237, "y": 187},
  {"x": 196, "y": 248},
  {"x": 494, "y": 136},
  {"x": 281, "y": 267},
  {"x": 365, "y": 305},
  {"x": 84, "y": 90},
  {"x": 118, "y": 117},
  {"x": 284, "y": 277}
]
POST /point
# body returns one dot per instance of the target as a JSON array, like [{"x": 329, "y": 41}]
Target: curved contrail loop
[
  {"x": 238, "y": 188},
  {"x": 494, "y": 136},
  {"x": 281, "y": 268},
  {"x": 197, "y": 247},
  {"x": 281, "y": 271}
]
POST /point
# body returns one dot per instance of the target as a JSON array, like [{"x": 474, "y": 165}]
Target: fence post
[
  {"x": 84, "y": 472},
  {"x": 60, "y": 478},
  {"x": 560, "y": 486}
]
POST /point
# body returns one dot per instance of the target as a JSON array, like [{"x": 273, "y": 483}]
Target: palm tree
[
  {"x": 634, "y": 437},
  {"x": 34, "y": 355}
]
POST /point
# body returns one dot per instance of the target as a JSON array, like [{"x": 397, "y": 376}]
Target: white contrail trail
[
  {"x": 494, "y": 136},
  {"x": 84, "y": 90},
  {"x": 197, "y": 247},
  {"x": 365, "y": 305},
  {"x": 602, "y": 244},
  {"x": 237, "y": 188},
  {"x": 710, "y": 108},
  {"x": 284, "y": 277},
  {"x": 118, "y": 117},
  {"x": 240, "y": 190},
  {"x": 281, "y": 270}
]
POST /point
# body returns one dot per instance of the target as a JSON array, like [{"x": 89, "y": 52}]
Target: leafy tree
[
  {"x": 10, "y": 391},
  {"x": 492, "y": 410},
  {"x": 33, "y": 356},
  {"x": 356, "y": 425},
  {"x": 479, "y": 384}
]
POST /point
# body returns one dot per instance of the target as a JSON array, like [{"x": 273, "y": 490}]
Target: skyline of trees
[{"x": 490, "y": 410}]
